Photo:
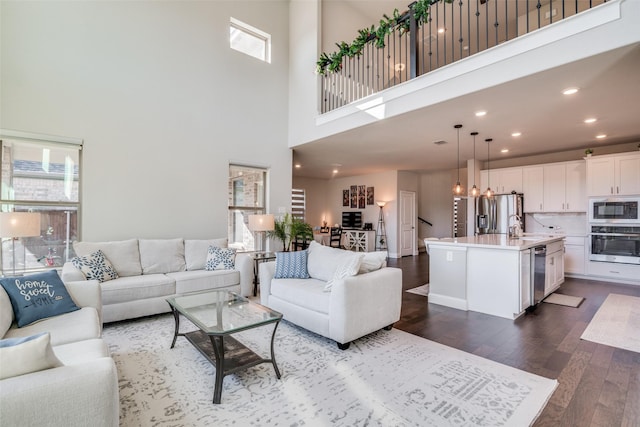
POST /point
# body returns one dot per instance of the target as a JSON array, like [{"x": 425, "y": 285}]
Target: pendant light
[
  {"x": 475, "y": 191},
  {"x": 489, "y": 193},
  {"x": 457, "y": 189}
]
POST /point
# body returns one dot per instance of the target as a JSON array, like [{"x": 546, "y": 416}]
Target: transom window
[{"x": 249, "y": 40}]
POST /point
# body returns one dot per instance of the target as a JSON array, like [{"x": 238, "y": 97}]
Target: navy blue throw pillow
[
  {"x": 291, "y": 265},
  {"x": 37, "y": 296}
]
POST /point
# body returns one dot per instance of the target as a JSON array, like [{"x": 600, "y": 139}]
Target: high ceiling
[{"x": 548, "y": 121}]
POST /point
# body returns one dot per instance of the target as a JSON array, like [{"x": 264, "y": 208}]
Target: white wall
[{"x": 161, "y": 102}]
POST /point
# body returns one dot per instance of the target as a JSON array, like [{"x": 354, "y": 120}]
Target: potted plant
[
  {"x": 588, "y": 152},
  {"x": 288, "y": 228}
]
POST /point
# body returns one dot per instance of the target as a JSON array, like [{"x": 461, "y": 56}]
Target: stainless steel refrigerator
[{"x": 495, "y": 214}]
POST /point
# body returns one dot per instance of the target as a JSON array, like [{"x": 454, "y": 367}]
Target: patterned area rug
[
  {"x": 389, "y": 378},
  {"x": 616, "y": 323},
  {"x": 420, "y": 290}
]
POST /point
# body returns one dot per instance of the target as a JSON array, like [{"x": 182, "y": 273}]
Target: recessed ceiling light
[
  {"x": 298, "y": 166},
  {"x": 601, "y": 136},
  {"x": 516, "y": 134},
  {"x": 570, "y": 91},
  {"x": 481, "y": 113},
  {"x": 590, "y": 120},
  {"x": 335, "y": 171},
  {"x": 440, "y": 30},
  {"x": 504, "y": 150}
]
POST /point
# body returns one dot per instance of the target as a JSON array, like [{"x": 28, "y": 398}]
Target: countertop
[{"x": 498, "y": 241}]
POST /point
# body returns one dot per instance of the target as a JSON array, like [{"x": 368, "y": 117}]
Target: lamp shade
[
  {"x": 381, "y": 203},
  {"x": 19, "y": 224},
  {"x": 261, "y": 222}
]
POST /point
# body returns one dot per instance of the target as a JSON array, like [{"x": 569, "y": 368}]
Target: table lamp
[
  {"x": 260, "y": 224},
  {"x": 18, "y": 224}
]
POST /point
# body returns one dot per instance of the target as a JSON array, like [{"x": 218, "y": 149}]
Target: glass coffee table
[{"x": 218, "y": 315}]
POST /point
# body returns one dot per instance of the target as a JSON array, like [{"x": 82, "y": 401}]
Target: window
[
  {"x": 298, "y": 204},
  {"x": 40, "y": 174},
  {"x": 246, "y": 197},
  {"x": 249, "y": 40}
]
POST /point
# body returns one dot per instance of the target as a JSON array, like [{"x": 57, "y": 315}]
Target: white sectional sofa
[
  {"x": 343, "y": 299},
  {"x": 151, "y": 270},
  {"x": 82, "y": 392}
]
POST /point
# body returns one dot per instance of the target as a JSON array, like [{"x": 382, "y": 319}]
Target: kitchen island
[{"x": 490, "y": 273}]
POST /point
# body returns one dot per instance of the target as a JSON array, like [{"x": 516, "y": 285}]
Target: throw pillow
[
  {"x": 373, "y": 261},
  {"x": 291, "y": 265},
  {"x": 95, "y": 266},
  {"x": 347, "y": 267},
  {"x": 37, "y": 296},
  {"x": 220, "y": 259},
  {"x": 19, "y": 356}
]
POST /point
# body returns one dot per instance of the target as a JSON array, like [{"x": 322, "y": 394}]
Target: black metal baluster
[
  {"x": 461, "y": 39},
  {"x": 539, "y": 6},
  {"x": 495, "y": 25},
  {"x": 550, "y": 11},
  {"x": 477, "y": 26},
  {"x": 468, "y": 27},
  {"x": 486, "y": 11},
  {"x": 506, "y": 20}
]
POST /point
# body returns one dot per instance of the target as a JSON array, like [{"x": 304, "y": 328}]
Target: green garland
[{"x": 333, "y": 62}]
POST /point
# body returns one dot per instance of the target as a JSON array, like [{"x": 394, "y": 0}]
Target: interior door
[{"x": 407, "y": 223}]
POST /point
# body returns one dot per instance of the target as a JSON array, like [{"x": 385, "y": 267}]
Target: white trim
[{"x": 16, "y": 134}]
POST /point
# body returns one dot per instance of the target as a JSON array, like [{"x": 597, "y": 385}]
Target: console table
[{"x": 359, "y": 240}]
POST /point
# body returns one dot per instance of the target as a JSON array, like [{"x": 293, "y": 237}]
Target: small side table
[{"x": 259, "y": 257}]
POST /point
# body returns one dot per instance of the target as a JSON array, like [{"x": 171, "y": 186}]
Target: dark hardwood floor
[{"x": 598, "y": 385}]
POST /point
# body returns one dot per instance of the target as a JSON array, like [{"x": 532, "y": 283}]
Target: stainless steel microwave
[{"x": 618, "y": 210}]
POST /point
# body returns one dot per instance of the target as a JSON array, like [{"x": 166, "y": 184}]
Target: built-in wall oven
[{"x": 615, "y": 229}]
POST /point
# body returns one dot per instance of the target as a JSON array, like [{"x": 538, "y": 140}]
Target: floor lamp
[
  {"x": 381, "y": 232},
  {"x": 18, "y": 224},
  {"x": 260, "y": 224}
]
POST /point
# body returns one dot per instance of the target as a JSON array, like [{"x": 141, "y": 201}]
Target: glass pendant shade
[
  {"x": 489, "y": 192},
  {"x": 475, "y": 191},
  {"x": 458, "y": 189}
]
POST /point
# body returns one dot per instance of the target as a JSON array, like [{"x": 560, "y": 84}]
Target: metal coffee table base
[{"x": 227, "y": 354}]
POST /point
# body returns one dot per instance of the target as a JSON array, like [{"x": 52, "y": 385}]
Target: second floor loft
[{"x": 429, "y": 35}]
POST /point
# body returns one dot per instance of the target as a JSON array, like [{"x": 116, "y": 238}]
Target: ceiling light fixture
[
  {"x": 489, "y": 193},
  {"x": 504, "y": 150},
  {"x": 601, "y": 136},
  {"x": 516, "y": 134},
  {"x": 335, "y": 171},
  {"x": 475, "y": 191},
  {"x": 441, "y": 30},
  {"x": 590, "y": 120},
  {"x": 481, "y": 113},
  {"x": 458, "y": 188},
  {"x": 570, "y": 91},
  {"x": 298, "y": 166}
]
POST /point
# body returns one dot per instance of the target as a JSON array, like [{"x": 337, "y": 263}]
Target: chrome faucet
[{"x": 515, "y": 230}]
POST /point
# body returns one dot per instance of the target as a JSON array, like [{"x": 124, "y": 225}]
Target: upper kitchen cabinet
[
  {"x": 502, "y": 181},
  {"x": 613, "y": 175},
  {"x": 556, "y": 187}
]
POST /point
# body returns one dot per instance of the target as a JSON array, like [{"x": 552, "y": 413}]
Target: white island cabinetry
[{"x": 490, "y": 274}]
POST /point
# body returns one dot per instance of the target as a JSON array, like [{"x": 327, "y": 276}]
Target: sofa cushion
[
  {"x": 161, "y": 255},
  {"x": 6, "y": 312},
  {"x": 373, "y": 261},
  {"x": 127, "y": 289},
  {"x": 202, "y": 280},
  {"x": 78, "y": 325},
  {"x": 37, "y": 296},
  {"x": 123, "y": 255},
  {"x": 323, "y": 260},
  {"x": 348, "y": 266},
  {"x": 291, "y": 265},
  {"x": 82, "y": 351},
  {"x": 195, "y": 252},
  {"x": 220, "y": 258},
  {"x": 307, "y": 293},
  {"x": 19, "y": 356},
  {"x": 95, "y": 266}
]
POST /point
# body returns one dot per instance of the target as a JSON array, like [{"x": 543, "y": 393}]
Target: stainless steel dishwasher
[{"x": 539, "y": 273}]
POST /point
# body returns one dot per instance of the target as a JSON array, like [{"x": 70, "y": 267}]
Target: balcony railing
[{"x": 452, "y": 31}]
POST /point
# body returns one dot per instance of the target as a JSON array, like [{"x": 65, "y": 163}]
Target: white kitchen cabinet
[
  {"x": 502, "y": 181},
  {"x": 554, "y": 264},
  {"x": 574, "y": 255},
  {"x": 532, "y": 178},
  {"x": 556, "y": 187},
  {"x": 613, "y": 175}
]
